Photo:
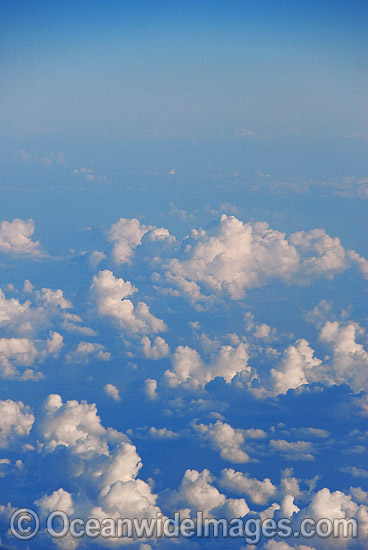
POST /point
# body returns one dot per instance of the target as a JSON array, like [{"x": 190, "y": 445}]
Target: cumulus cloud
[
  {"x": 189, "y": 369},
  {"x": 16, "y": 420},
  {"x": 157, "y": 350},
  {"x": 127, "y": 234},
  {"x": 236, "y": 256},
  {"x": 112, "y": 293},
  {"x": 23, "y": 352},
  {"x": 226, "y": 439},
  {"x": 260, "y": 492},
  {"x": 162, "y": 433},
  {"x": 349, "y": 363},
  {"x": 103, "y": 469},
  {"x": 150, "y": 388},
  {"x": 197, "y": 493},
  {"x": 15, "y": 238},
  {"x": 297, "y": 367},
  {"x": 293, "y": 450},
  {"x": 86, "y": 351},
  {"x": 58, "y": 500},
  {"x": 112, "y": 391},
  {"x": 338, "y": 505}
]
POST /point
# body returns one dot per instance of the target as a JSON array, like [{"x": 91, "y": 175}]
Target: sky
[{"x": 183, "y": 269}]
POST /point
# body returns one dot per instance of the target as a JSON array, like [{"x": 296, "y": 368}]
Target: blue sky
[{"x": 183, "y": 293}]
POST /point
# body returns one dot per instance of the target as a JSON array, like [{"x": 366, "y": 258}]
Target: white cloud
[
  {"x": 157, "y": 350},
  {"x": 22, "y": 352},
  {"x": 361, "y": 262},
  {"x": 197, "y": 493},
  {"x": 85, "y": 351},
  {"x": 226, "y": 439},
  {"x": 294, "y": 450},
  {"x": 15, "y": 238},
  {"x": 237, "y": 256},
  {"x": 111, "y": 295},
  {"x": 16, "y": 420},
  {"x": 58, "y": 500},
  {"x": 296, "y": 367},
  {"x": 150, "y": 388},
  {"x": 55, "y": 298},
  {"x": 162, "y": 433},
  {"x": 349, "y": 363},
  {"x": 338, "y": 505},
  {"x": 189, "y": 369},
  {"x": 104, "y": 465},
  {"x": 127, "y": 234},
  {"x": 260, "y": 492},
  {"x": 112, "y": 391},
  {"x": 325, "y": 255}
]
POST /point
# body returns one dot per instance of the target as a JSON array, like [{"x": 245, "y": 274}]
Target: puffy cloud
[
  {"x": 22, "y": 352},
  {"x": 329, "y": 254},
  {"x": 274, "y": 545},
  {"x": 73, "y": 424},
  {"x": 112, "y": 391},
  {"x": 162, "y": 433},
  {"x": 334, "y": 506},
  {"x": 111, "y": 295},
  {"x": 150, "y": 388},
  {"x": 109, "y": 454},
  {"x": 85, "y": 351},
  {"x": 11, "y": 311},
  {"x": 53, "y": 298},
  {"x": 226, "y": 439},
  {"x": 157, "y": 350},
  {"x": 288, "y": 508},
  {"x": 361, "y": 262},
  {"x": 103, "y": 469},
  {"x": 127, "y": 234},
  {"x": 190, "y": 370},
  {"x": 349, "y": 363},
  {"x": 197, "y": 493},
  {"x": 127, "y": 499},
  {"x": 58, "y": 500},
  {"x": 16, "y": 420},
  {"x": 235, "y": 256},
  {"x": 15, "y": 238},
  {"x": 238, "y": 256},
  {"x": 294, "y": 450},
  {"x": 260, "y": 492},
  {"x": 296, "y": 367}
]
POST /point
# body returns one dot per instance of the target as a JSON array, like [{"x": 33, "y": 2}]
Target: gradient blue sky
[{"x": 204, "y": 118}]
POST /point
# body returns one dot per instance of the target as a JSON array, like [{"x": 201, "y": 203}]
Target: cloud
[
  {"x": 157, "y": 350},
  {"x": 16, "y": 420},
  {"x": 58, "y": 500},
  {"x": 15, "y": 238},
  {"x": 23, "y": 352},
  {"x": 189, "y": 369},
  {"x": 100, "y": 464},
  {"x": 112, "y": 391},
  {"x": 226, "y": 439},
  {"x": 127, "y": 234},
  {"x": 235, "y": 256},
  {"x": 162, "y": 433},
  {"x": 111, "y": 295},
  {"x": 297, "y": 367},
  {"x": 295, "y": 450},
  {"x": 85, "y": 351},
  {"x": 150, "y": 388},
  {"x": 349, "y": 363},
  {"x": 260, "y": 492},
  {"x": 196, "y": 493}
]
